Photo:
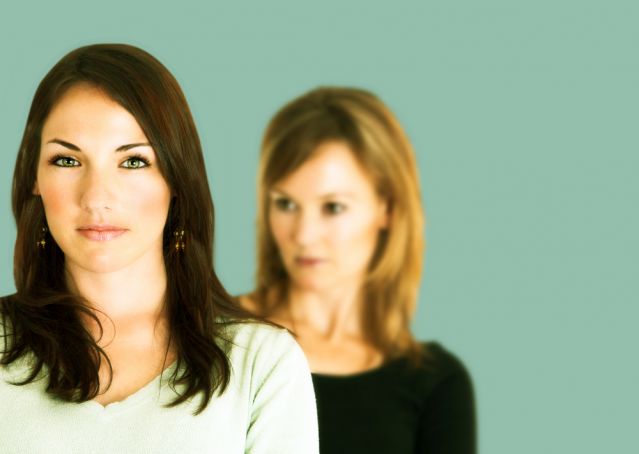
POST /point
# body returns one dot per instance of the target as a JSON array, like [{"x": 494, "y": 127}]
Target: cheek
[
  {"x": 277, "y": 227},
  {"x": 148, "y": 199},
  {"x": 144, "y": 199},
  {"x": 357, "y": 237},
  {"x": 280, "y": 228},
  {"x": 57, "y": 200}
]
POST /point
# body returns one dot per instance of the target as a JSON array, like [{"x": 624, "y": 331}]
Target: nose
[
  {"x": 307, "y": 228},
  {"x": 96, "y": 191}
]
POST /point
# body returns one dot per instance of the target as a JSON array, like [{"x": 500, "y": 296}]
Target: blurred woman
[
  {"x": 120, "y": 338},
  {"x": 340, "y": 245}
]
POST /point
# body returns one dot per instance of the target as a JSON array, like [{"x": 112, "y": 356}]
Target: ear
[{"x": 36, "y": 188}]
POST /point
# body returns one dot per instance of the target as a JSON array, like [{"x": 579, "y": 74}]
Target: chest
[
  {"x": 364, "y": 415},
  {"x": 131, "y": 370},
  {"x": 339, "y": 356},
  {"x": 32, "y": 421}
]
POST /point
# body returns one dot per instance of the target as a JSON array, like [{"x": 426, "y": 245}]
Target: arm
[
  {"x": 284, "y": 416},
  {"x": 447, "y": 423}
]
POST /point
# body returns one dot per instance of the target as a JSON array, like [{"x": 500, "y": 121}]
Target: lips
[
  {"x": 101, "y": 232},
  {"x": 308, "y": 261}
]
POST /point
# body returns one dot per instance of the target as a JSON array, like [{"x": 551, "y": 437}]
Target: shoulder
[
  {"x": 244, "y": 334},
  {"x": 438, "y": 358},
  {"x": 260, "y": 347},
  {"x": 248, "y": 303},
  {"x": 448, "y": 405},
  {"x": 441, "y": 371},
  {"x": 270, "y": 367},
  {"x": 437, "y": 371},
  {"x": 267, "y": 361}
]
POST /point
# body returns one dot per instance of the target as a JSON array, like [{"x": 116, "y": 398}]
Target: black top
[{"x": 398, "y": 408}]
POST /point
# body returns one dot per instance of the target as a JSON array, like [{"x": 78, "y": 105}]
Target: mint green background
[{"x": 524, "y": 117}]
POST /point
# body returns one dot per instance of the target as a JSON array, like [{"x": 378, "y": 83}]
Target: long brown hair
[
  {"x": 375, "y": 137},
  {"x": 43, "y": 315}
]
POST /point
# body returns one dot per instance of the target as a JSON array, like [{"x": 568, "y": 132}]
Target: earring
[
  {"x": 42, "y": 242},
  {"x": 179, "y": 240}
]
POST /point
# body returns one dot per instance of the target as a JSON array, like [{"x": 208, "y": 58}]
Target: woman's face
[
  {"x": 326, "y": 218},
  {"x": 105, "y": 200}
]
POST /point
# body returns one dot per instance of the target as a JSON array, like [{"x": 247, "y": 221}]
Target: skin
[
  {"x": 326, "y": 218},
  {"x": 106, "y": 204}
]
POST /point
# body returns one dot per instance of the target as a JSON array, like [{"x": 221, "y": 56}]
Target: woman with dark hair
[
  {"x": 120, "y": 337},
  {"x": 340, "y": 245}
]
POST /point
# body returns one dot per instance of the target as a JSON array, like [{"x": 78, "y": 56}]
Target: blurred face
[
  {"x": 105, "y": 200},
  {"x": 326, "y": 218}
]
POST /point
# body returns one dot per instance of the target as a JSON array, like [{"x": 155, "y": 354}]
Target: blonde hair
[{"x": 359, "y": 119}]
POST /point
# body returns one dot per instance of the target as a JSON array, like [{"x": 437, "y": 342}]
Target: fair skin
[
  {"x": 326, "y": 218},
  {"x": 106, "y": 205}
]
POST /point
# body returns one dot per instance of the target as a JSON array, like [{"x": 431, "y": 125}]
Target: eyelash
[
  {"x": 139, "y": 158},
  {"x": 330, "y": 208},
  {"x": 56, "y": 158},
  {"x": 339, "y": 206},
  {"x": 135, "y": 157},
  {"x": 284, "y": 204}
]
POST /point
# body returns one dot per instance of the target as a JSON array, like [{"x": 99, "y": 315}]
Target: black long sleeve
[
  {"x": 399, "y": 408},
  {"x": 447, "y": 422}
]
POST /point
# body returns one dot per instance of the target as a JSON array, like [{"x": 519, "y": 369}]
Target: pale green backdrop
[{"x": 524, "y": 116}]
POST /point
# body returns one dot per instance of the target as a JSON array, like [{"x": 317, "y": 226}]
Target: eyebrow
[
  {"x": 132, "y": 145},
  {"x": 68, "y": 145},
  {"x": 73, "y": 147},
  {"x": 330, "y": 195}
]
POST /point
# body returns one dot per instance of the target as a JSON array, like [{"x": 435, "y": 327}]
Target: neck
[
  {"x": 334, "y": 314},
  {"x": 128, "y": 300}
]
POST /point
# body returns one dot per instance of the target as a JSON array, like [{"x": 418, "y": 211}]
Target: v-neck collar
[{"x": 147, "y": 392}]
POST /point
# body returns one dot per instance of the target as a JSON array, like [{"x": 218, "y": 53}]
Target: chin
[
  {"x": 101, "y": 261},
  {"x": 110, "y": 257},
  {"x": 313, "y": 283}
]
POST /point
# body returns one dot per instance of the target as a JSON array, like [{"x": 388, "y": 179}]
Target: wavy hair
[
  {"x": 43, "y": 315},
  {"x": 362, "y": 121}
]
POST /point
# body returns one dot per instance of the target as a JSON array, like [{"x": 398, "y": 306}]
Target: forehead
[
  {"x": 331, "y": 169},
  {"x": 85, "y": 110}
]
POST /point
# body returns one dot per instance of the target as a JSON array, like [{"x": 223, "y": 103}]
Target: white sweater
[{"x": 269, "y": 407}]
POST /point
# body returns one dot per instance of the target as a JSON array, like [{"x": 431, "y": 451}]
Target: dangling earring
[
  {"x": 179, "y": 240},
  {"x": 42, "y": 242}
]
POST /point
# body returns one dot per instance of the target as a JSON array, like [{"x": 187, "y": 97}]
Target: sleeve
[
  {"x": 284, "y": 415},
  {"x": 447, "y": 424}
]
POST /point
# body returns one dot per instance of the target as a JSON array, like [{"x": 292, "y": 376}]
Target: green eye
[
  {"x": 284, "y": 204},
  {"x": 333, "y": 208},
  {"x": 65, "y": 161},
  {"x": 136, "y": 162}
]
